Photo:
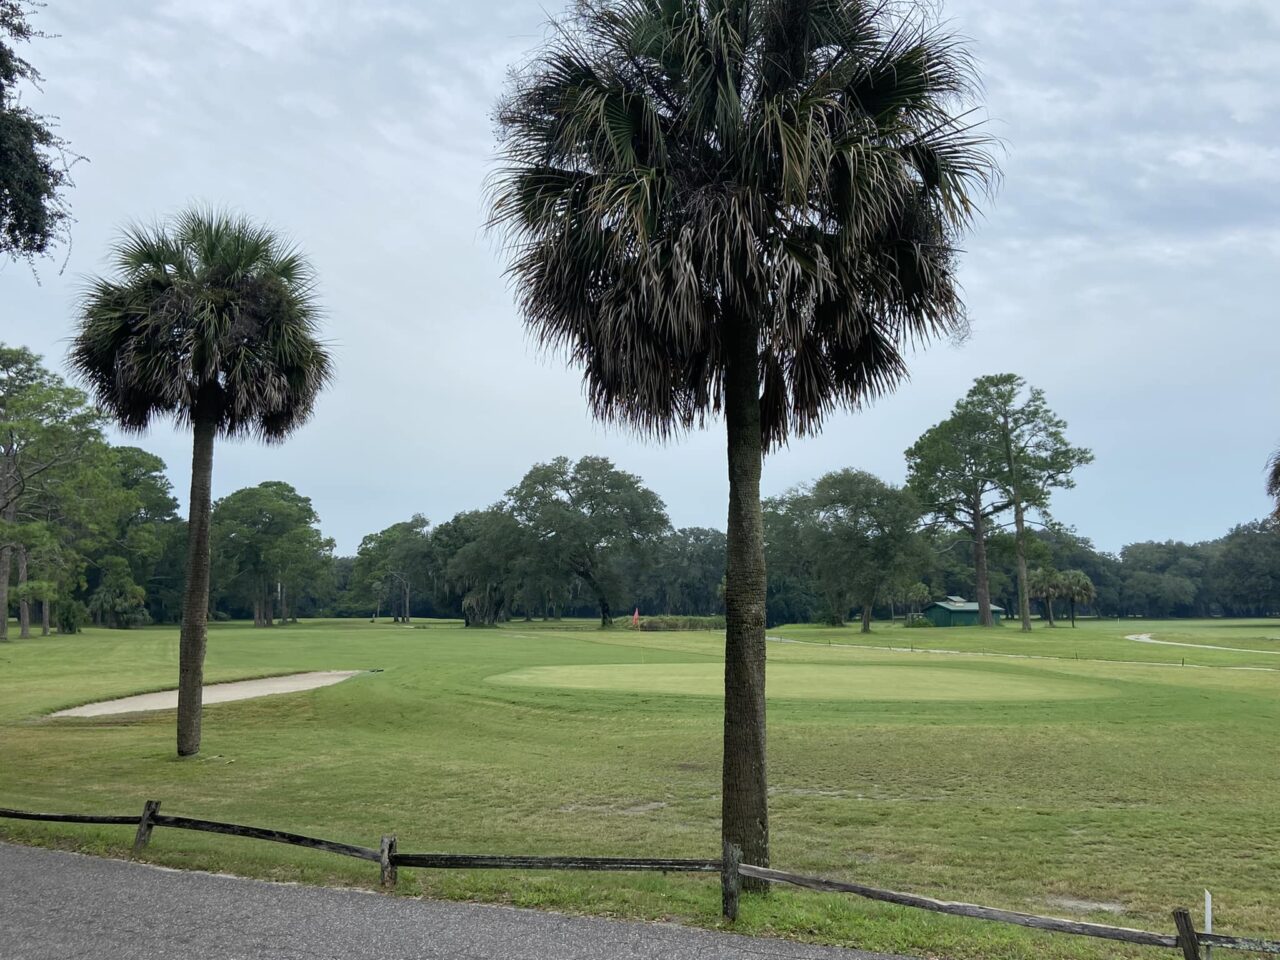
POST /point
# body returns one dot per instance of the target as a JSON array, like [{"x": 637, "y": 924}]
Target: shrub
[
  {"x": 682, "y": 623},
  {"x": 71, "y": 615},
  {"x": 918, "y": 620}
]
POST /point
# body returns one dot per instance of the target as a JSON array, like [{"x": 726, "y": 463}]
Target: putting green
[{"x": 805, "y": 681}]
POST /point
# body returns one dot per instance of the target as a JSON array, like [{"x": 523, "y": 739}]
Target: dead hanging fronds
[{"x": 665, "y": 165}]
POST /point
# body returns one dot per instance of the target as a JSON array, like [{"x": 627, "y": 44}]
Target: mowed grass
[{"x": 1067, "y": 786}]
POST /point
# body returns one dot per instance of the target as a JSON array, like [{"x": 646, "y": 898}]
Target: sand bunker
[{"x": 214, "y": 693}]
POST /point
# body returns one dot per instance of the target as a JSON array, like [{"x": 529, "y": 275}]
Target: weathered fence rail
[
  {"x": 259, "y": 833},
  {"x": 1187, "y": 939},
  {"x": 468, "y": 861},
  {"x": 65, "y": 817},
  {"x": 729, "y": 866}
]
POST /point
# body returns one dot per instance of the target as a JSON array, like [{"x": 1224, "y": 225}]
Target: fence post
[
  {"x": 1187, "y": 938},
  {"x": 730, "y": 880},
  {"x": 143, "y": 836},
  {"x": 389, "y": 872}
]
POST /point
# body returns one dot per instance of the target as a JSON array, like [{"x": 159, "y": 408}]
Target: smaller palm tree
[
  {"x": 1076, "y": 586},
  {"x": 1046, "y": 585},
  {"x": 209, "y": 320}
]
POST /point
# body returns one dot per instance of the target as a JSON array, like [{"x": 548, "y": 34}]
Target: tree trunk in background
[
  {"x": 195, "y": 602},
  {"x": 6, "y": 567},
  {"x": 982, "y": 582},
  {"x": 24, "y": 604},
  {"x": 44, "y": 618},
  {"x": 602, "y": 600},
  {"x": 866, "y": 618},
  {"x": 1073, "y": 613},
  {"x": 406, "y": 602},
  {"x": 744, "y": 788},
  {"x": 1020, "y": 542},
  {"x": 1048, "y": 605},
  {"x": 268, "y": 611}
]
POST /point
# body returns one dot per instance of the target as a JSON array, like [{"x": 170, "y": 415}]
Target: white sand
[{"x": 215, "y": 693}]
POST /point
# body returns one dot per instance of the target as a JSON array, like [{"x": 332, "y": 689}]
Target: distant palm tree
[
  {"x": 1046, "y": 585},
  {"x": 210, "y": 320},
  {"x": 1076, "y": 586},
  {"x": 746, "y": 207}
]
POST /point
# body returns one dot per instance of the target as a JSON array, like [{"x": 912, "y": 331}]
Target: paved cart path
[{"x": 59, "y": 906}]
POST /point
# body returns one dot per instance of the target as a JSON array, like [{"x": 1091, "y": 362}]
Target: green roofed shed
[{"x": 957, "y": 612}]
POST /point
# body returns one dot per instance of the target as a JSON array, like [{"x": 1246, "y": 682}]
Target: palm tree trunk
[
  {"x": 1073, "y": 613},
  {"x": 1048, "y": 605},
  {"x": 982, "y": 582},
  {"x": 44, "y": 617},
  {"x": 24, "y": 603},
  {"x": 745, "y": 790},
  {"x": 1020, "y": 543},
  {"x": 195, "y": 602}
]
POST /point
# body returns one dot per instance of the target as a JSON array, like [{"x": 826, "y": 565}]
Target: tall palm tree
[
  {"x": 208, "y": 319},
  {"x": 744, "y": 207}
]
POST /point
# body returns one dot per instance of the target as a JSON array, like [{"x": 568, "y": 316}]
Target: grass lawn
[{"x": 1071, "y": 772}]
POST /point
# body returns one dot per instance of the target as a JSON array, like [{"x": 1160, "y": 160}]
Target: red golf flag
[{"x": 635, "y": 618}]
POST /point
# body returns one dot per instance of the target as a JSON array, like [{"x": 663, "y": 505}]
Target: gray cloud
[{"x": 1122, "y": 268}]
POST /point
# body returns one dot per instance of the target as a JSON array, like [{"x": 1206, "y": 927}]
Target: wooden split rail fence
[{"x": 730, "y": 868}]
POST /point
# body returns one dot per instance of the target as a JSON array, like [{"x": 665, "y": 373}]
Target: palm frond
[
  {"x": 1273, "y": 480},
  {"x": 208, "y": 317},
  {"x": 668, "y": 164}
]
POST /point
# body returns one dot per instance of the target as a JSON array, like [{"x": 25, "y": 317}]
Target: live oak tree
[
  {"x": 34, "y": 159},
  {"x": 868, "y": 535},
  {"x": 742, "y": 207},
  {"x": 268, "y": 549},
  {"x": 589, "y": 518},
  {"x": 1025, "y": 447},
  {"x": 392, "y": 563},
  {"x": 482, "y": 547},
  {"x": 949, "y": 471},
  {"x": 208, "y": 319},
  {"x": 47, "y": 429},
  {"x": 1244, "y": 575},
  {"x": 854, "y": 536},
  {"x": 683, "y": 575}
]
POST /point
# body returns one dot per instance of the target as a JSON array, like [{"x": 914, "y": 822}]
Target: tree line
[{"x": 91, "y": 534}]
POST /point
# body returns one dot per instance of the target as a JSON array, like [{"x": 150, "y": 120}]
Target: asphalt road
[{"x": 63, "y": 906}]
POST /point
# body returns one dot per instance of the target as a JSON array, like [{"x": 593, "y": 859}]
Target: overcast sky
[{"x": 1128, "y": 265}]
